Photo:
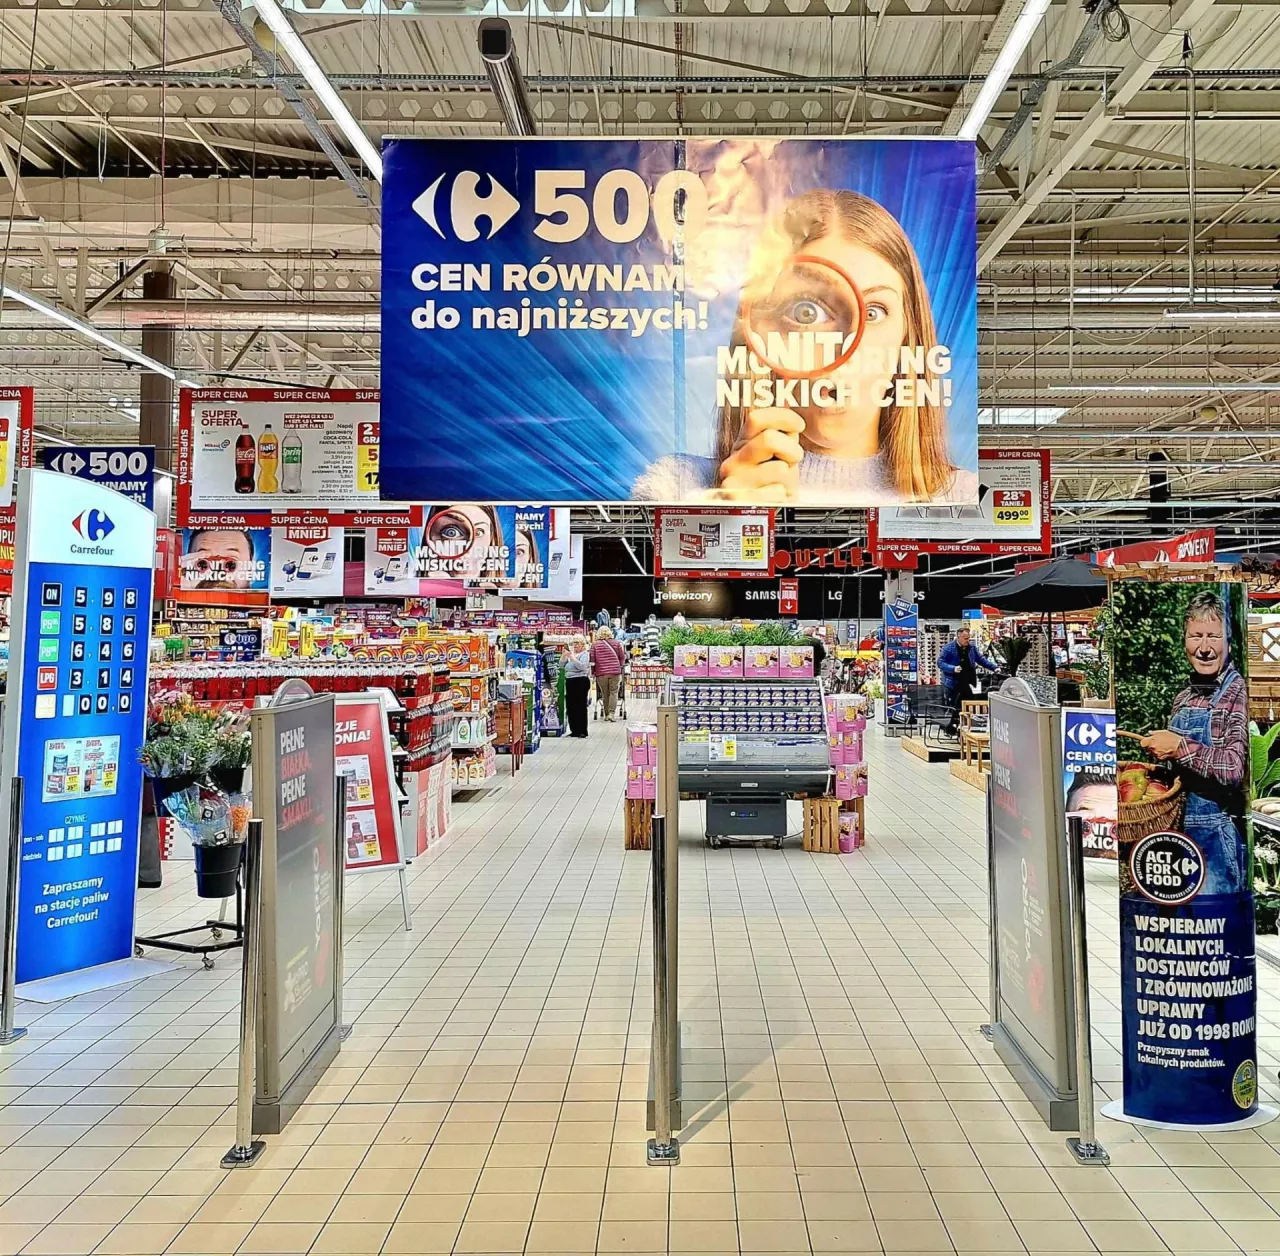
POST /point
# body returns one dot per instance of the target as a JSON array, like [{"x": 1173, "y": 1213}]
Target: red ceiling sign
[{"x": 1191, "y": 547}]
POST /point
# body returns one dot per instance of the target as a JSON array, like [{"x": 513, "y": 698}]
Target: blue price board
[
  {"x": 76, "y": 718},
  {"x": 128, "y": 469}
]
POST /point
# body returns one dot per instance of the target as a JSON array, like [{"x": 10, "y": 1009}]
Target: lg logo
[{"x": 467, "y": 206}]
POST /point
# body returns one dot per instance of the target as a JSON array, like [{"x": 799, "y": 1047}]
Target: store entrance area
[{"x": 491, "y": 1098}]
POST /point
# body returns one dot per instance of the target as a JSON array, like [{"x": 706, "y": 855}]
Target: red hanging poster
[{"x": 362, "y": 746}]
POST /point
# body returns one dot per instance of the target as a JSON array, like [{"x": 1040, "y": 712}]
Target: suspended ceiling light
[
  {"x": 1014, "y": 46},
  {"x": 291, "y": 42},
  {"x": 1219, "y": 316},
  {"x": 87, "y": 330}
]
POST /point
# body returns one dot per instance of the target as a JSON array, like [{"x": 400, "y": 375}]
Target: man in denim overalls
[{"x": 1208, "y": 742}]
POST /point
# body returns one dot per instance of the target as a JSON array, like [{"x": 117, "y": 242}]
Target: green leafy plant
[
  {"x": 761, "y": 634},
  {"x": 1264, "y": 767},
  {"x": 1013, "y": 652},
  {"x": 1095, "y": 676}
]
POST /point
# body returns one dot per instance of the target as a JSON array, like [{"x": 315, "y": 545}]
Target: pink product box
[
  {"x": 795, "y": 662},
  {"x": 858, "y": 724},
  {"x": 637, "y": 740},
  {"x": 843, "y": 785},
  {"x": 635, "y": 781},
  {"x": 835, "y": 748},
  {"x": 651, "y": 743},
  {"x": 851, "y": 781},
  {"x": 760, "y": 662},
  {"x": 725, "y": 662},
  {"x": 648, "y": 783},
  {"x": 691, "y": 660},
  {"x": 851, "y": 747}
]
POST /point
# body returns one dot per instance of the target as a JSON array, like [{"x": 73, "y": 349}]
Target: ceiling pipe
[{"x": 498, "y": 51}]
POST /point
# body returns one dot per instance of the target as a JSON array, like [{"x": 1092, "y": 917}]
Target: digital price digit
[{"x": 367, "y": 458}]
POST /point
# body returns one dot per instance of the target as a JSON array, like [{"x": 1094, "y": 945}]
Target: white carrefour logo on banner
[{"x": 467, "y": 206}]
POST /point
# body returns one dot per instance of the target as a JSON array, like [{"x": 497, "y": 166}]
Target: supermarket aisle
[{"x": 490, "y": 1099}]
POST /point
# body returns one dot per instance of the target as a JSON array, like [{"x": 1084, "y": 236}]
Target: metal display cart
[{"x": 746, "y": 747}]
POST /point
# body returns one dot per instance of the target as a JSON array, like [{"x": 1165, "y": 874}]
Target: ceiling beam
[{"x": 1156, "y": 49}]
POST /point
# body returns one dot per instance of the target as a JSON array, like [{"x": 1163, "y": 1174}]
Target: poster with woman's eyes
[
  {"x": 754, "y": 320},
  {"x": 1187, "y": 966}
]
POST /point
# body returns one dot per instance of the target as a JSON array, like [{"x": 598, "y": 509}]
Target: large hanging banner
[
  {"x": 1188, "y": 994},
  {"x": 259, "y": 457},
  {"x": 752, "y": 320},
  {"x": 17, "y": 450},
  {"x": 1191, "y": 547},
  {"x": 712, "y": 542},
  {"x": 225, "y": 566},
  {"x": 1089, "y": 776},
  {"x": 1013, "y": 514},
  {"x": 307, "y": 561}
]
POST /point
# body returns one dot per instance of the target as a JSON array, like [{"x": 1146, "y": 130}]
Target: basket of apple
[{"x": 1150, "y": 800}]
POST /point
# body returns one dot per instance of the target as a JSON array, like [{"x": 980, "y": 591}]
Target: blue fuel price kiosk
[{"x": 75, "y": 719}]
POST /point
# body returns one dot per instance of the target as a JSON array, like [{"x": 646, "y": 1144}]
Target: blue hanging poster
[
  {"x": 901, "y": 659},
  {"x": 76, "y": 717},
  {"x": 1187, "y": 966}
]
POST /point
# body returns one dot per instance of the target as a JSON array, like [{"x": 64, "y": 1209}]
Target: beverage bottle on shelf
[
  {"x": 291, "y": 455},
  {"x": 246, "y": 460},
  {"x": 268, "y": 461}
]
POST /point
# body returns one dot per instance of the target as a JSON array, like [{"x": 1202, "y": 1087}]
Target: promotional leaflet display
[
  {"x": 128, "y": 469},
  {"x": 362, "y": 742},
  {"x": 705, "y": 541},
  {"x": 294, "y": 785},
  {"x": 1191, "y": 547},
  {"x": 1012, "y": 514},
  {"x": 307, "y": 561},
  {"x": 1187, "y": 968},
  {"x": 681, "y": 320},
  {"x": 901, "y": 659},
  {"x": 260, "y": 455},
  {"x": 1089, "y": 776},
  {"x": 1033, "y": 1017},
  {"x": 17, "y": 450},
  {"x": 225, "y": 566},
  {"x": 76, "y": 717}
]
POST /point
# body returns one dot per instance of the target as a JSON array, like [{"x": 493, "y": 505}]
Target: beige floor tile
[
  {"x": 902, "y": 1206},
  {"x": 562, "y": 1236},
  {"x": 362, "y": 1209},
  {"x": 632, "y": 1236},
  {"x": 210, "y": 1236},
  {"x": 703, "y": 1236},
  {"x": 702, "y": 1206},
  {"x": 1255, "y": 1236},
  {"x": 148, "y": 1238},
  {"x": 835, "y": 1206},
  {"x": 1195, "y": 1236},
  {"x": 970, "y": 1206},
  {"x": 492, "y": 1236},
  {"x": 420, "y": 1238},
  {"x": 773, "y": 1236},
  {"x": 1054, "y": 1236},
  {"x": 914, "y": 1236},
  {"x": 513, "y": 1209},
  {"x": 1123, "y": 1236},
  {"x": 283, "y": 1236},
  {"x": 284, "y": 1209},
  {"x": 358, "y": 1238},
  {"x": 68, "y": 1239}
]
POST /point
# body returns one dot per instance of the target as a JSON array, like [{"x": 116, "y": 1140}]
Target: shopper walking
[
  {"x": 606, "y": 663},
  {"x": 652, "y": 637},
  {"x": 577, "y": 685}
]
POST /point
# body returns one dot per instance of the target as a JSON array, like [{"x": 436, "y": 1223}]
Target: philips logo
[{"x": 93, "y": 525}]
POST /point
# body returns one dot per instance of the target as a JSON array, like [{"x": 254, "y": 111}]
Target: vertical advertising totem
[{"x": 1188, "y": 989}]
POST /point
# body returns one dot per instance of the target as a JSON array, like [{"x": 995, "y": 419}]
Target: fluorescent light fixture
[
  {"x": 1019, "y": 416},
  {"x": 309, "y": 68},
  {"x": 1209, "y": 386},
  {"x": 1220, "y": 316},
  {"x": 87, "y": 330},
  {"x": 187, "y": 383},
  {"x": 1008, "y": 57}
]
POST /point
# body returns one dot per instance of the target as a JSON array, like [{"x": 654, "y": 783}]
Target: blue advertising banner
[
  {"x": 755, "y": 319},
  {"x": 1187, "y": 965},
  {"x": 233, "y": 563},
  {"x": 901, "y": 658},
  {"x": 76, "y": 719},
  {"x": 128, "y": 469},
  {"x": 1089, "y": 776}
]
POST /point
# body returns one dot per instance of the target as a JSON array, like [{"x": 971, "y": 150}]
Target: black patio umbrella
[{"x": 1062, "y": 585}]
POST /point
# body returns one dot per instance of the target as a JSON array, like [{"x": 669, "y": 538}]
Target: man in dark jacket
[{"x": 959, "y": 663}]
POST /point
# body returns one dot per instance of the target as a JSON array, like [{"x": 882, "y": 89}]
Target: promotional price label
[
  {"x": 367, "y": 458},
  {"x": 129, "y": 469}
]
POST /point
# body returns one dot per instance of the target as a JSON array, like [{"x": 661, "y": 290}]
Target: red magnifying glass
[{"x": 806, "y": 288}]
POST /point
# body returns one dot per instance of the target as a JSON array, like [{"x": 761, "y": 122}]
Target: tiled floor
[{"x": 491, "y": 1097}]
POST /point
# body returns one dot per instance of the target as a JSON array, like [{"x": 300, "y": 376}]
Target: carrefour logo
[
  {"x": 93, "y": 525},
  {"x": 467, "y": 205}
]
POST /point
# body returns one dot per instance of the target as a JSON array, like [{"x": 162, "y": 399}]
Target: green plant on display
[
  {"x": 1266, "y": 880},
  {"x": 1013, "y": 652},
  {"x": 1264, "y": 767},
  {"x": 1095, "y": 676},
  {"x": 185, "y": 739},
  {"x": 761, "y": 634}
]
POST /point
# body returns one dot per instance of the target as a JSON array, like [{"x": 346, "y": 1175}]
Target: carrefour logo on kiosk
[{"x": 93, "y": 525}]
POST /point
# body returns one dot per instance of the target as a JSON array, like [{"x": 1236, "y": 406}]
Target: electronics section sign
[
  {"x": 1188, "y": 990},
  {"x": 254, "y": 457},
  {"x": 128, "y": 469},
  {"x": 1013, "y": 514},
  {"x": 362, "y": 744},
  {"x": 717, "y": 543},
  {"x": 78, "y": 673},
  {"x": 681, "y": 321},
  {"x": 1089, "y": 776}
]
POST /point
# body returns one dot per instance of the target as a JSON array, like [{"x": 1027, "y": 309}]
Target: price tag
[
  {"x": 367, "y": 458},
  {"x": 307, "y": 641},
  {"x": 724, "y": 749},
  {"x": 1013, "y": 515},
  {"x": 278, "y": 646},
  {"x": 1012, "y": 507}
]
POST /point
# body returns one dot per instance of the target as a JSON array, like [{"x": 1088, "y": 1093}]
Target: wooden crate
[
  {"x": 822, "y": 825},
  {"x": 638, "y": 817}
]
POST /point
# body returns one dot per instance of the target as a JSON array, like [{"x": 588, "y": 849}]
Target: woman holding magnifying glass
[
  {"x": 839, "y": 266},
  {"x": 464, "y": 542}
]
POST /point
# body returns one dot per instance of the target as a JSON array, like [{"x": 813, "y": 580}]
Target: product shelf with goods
[
  {"x": 752, "y": 734},
  {"x": 527, "y": 666},
  {"x": 647, "y": 678}
]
